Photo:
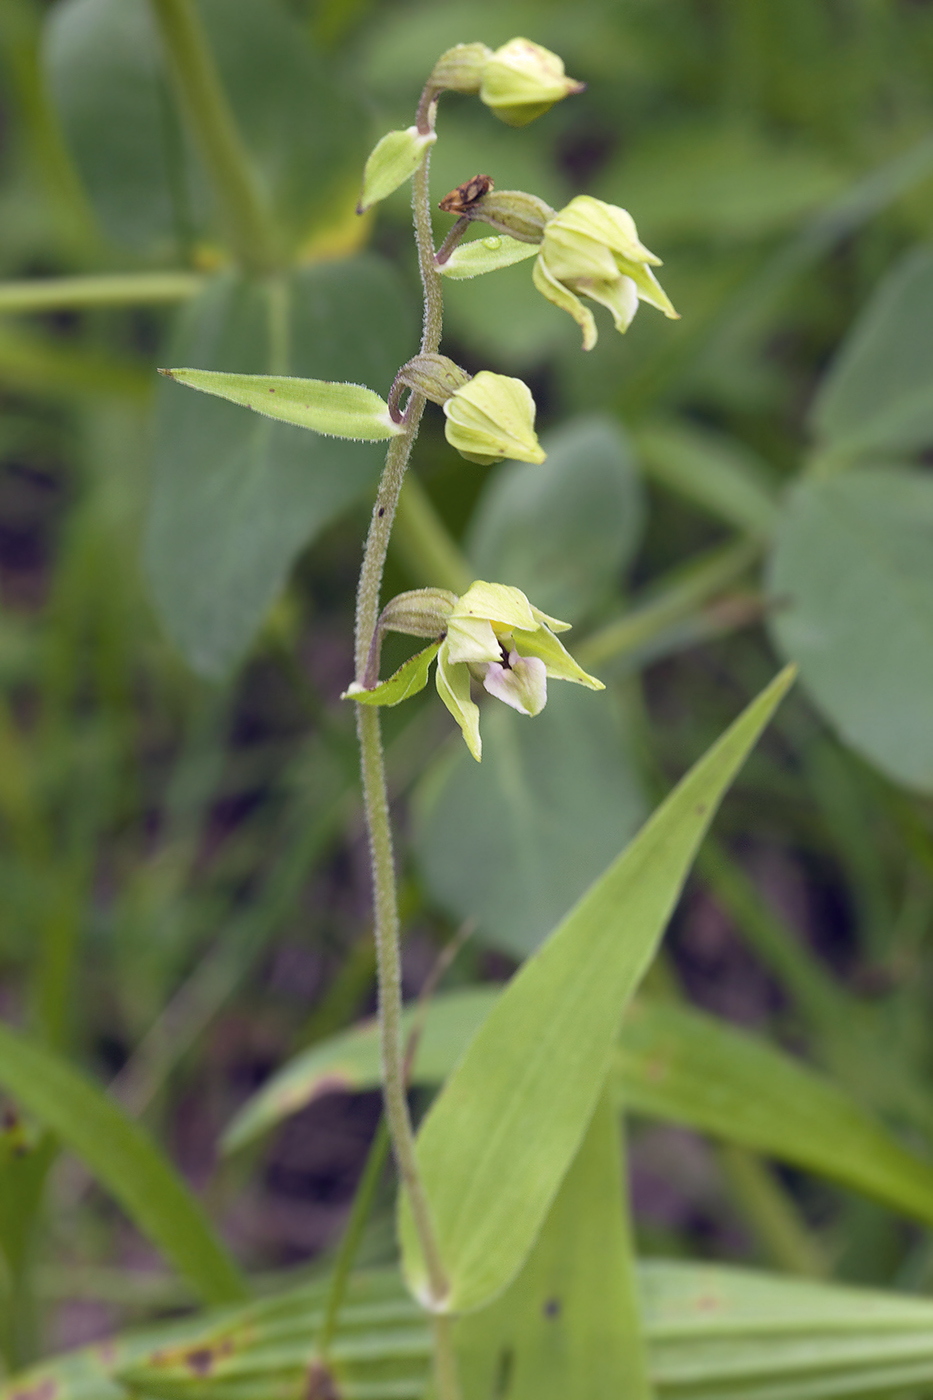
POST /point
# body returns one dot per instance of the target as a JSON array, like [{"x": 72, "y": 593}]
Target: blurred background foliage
[{"x": 183, "y": 901}]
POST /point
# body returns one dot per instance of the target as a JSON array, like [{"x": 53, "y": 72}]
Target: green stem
[
  {"x": 214, "y": 129},
  {"x": 116, "y": 289},
  {"x": 376, "y": 800}
]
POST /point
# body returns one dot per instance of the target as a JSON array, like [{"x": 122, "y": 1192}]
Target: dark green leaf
[
  {"x": 236, "y": 496},
  {"x": 106, "y": 79},
  {"x": 299, "y": 122},
  {"x": 878, "y": 395},
  {"x": 851, "y": 580},
  {"x": 563, "y": 531},
  {"x": 512, "y": 841}
]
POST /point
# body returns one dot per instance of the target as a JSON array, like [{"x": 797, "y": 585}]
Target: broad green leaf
[
  {"x": 123, "y": 1159},
  {"x": 485, "y": 255},
  {"x": 498, "y": 1140},
  {"x": 877, "y": 397},
  {"x": 851, "y": 581},
  {"x": 713, "y": 1332},
  {"x": 103, "y": 66},
  {"x": 726, "y": 180},
  {"x": 564, "y": 530},
  {"x": 570, "y": 1322},
  {"x": 336, "y": 410},
  {"x": 683, "y": 1065},
  {"x": 717, "y": 473},
  {"x": 235, "y": 496},
  {"x": 673, "y": 1063},
  {"x": 302, "y": 126},
  {"x": 265, "y": 1349},
  {"x": 512, "y": 841},
  {"x": 733, "y": 1334}
]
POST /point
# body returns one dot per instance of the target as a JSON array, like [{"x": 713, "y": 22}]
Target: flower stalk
[{"x": 376, "y": 803}]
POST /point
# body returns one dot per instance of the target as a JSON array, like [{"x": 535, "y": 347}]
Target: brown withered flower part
[{"x": 465, "y": 196}]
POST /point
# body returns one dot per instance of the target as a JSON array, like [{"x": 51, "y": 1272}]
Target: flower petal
[
  {"x": 649, "y": 288},
  {"x": 471, "y": 641},
  {"x": 522, "y": 684},
  {"x": 558, "y": 661},
  {"x": 453, "y": 686},
  {"x": 605, "y": 223},
  {"x": 493, "y": 417},
  {"x": 497, "y": 602},
  {"x": 619, "y": 294},
  {"x": 554, "y": 623},
  {"x": 561, "y": 296}
]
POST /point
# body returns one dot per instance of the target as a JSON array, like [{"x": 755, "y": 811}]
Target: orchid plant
[
  {"x": 515, "y": 1243},
  {"x": 492, "y": 634}
]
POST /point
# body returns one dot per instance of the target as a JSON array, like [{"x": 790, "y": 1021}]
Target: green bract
[
  {"x": 495, "y": 636},
  {"x": 485, "y": 255},
  {"x": 592, "y": 249},
  {"x": 336, "y": 410},
  {"x": 393, "y": 161},
  {"x": 521, "y": 80},
  {"x": 492, "y": 417}
]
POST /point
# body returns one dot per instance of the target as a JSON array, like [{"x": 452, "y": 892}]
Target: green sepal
[
  {"x": 336, "y": 410},
  {"x": 410, "y": 677}
]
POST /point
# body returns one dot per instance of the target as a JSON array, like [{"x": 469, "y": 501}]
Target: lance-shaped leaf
[
  {"x": 673, "y": 1063},
  {"x": 571, "y": 1320},
  {"x": 123, "y": 1159},
  {"x": 336, "y": 410},
  {"x": 713, "y": 1333},
  {"x": 498, "y": 1140}
]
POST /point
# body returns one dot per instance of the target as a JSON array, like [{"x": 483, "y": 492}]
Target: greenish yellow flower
[
  {"x": 592, "y": 249},
  {"x": 491, "y": 635},
  {"x": 492, "y": 417},
  {"x": 521, "y": 80}
]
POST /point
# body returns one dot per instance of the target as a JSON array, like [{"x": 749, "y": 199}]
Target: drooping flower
[
  {"x": 522, "y": 80},
  {"x": 492, "y": 417},
  {"x": 492, "y": 635},
  {"x": 592, "y": 249}
]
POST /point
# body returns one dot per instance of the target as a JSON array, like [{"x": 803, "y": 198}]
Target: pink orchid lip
[{"x": 522, "y": 684}]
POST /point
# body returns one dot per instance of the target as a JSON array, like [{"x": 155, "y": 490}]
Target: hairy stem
[
  {"x": 375, "y": 794},
  {"x": 214, "y": 129}
]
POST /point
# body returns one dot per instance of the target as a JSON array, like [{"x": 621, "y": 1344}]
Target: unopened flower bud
[
  {"x": 422, "y": 612},
  {"x": 521, "y": 80},
  {"x": 460, "y": 69},
  {"x": 434, "y": 376},
  {"x": 493, "y": 417},
  {"x": 513, "y": 212},
  {"x": 393, "y": 161}
]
